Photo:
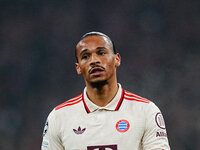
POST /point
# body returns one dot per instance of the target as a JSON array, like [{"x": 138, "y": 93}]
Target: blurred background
[{"x": 158, "y": 41}]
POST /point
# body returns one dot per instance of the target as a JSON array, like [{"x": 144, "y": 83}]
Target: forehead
[{"x": 92, "y": 42}]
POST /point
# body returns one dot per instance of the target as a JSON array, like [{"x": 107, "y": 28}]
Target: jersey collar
[{"x": 114, "y": 105}]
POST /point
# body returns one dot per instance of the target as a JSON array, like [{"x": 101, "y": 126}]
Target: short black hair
[{"x": 95, "y": 33}]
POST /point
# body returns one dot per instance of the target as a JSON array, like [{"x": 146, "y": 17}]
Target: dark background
[{"x": 158, "y": 41}]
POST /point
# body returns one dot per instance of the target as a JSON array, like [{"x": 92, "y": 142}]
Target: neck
[{"x": 101, "y": 93}]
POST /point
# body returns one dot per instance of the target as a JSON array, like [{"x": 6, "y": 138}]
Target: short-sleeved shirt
[{"x": 128, "y": 122}]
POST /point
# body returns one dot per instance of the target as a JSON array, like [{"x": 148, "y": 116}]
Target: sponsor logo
[
  {"x": 45, "y": 128},
  {"x": 161, "y": 134},
  {"x": 160, "y": 120},
  {"x": 122, "y": 125},
  {"x": 102, "y": 147},
  {"x": 79, "y": 130},
  {"x": 45, "y": 144}
]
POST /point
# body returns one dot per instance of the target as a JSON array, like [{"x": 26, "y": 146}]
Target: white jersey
[{"x": 128, "y": 122}]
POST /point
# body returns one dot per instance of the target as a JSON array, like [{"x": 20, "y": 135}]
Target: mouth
[{"x": 96, "y": 71}]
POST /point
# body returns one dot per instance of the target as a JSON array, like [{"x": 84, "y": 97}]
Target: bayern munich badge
[{"x": 122, "y": 125}]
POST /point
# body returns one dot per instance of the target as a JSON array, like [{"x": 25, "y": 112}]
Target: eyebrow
[
  {"x": 98, "y": 48},
  {"x": 83, "y": 51}
]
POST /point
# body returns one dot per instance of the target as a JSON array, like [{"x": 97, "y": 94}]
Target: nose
[{"x": 94, "y": 60}]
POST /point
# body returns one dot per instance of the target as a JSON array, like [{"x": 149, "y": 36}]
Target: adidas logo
[{"x": 79, "y": 131}]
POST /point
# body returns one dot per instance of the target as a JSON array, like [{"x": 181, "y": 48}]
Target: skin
[{"x": 97, "y": 63}]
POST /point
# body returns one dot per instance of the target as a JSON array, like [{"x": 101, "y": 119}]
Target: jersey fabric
[{"x": 128, "y": 122}]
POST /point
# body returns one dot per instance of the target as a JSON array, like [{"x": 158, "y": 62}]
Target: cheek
[
  {"x": 83, "y": 68},
  {"x": 111, "y": 63}
]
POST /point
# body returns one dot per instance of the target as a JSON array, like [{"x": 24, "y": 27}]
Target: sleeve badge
[{"x": 45, "y": 128}]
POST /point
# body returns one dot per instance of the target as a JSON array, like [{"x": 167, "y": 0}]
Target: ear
[
  {"x": 78, "y": 69},
  {"x": 117, "y": 60}
]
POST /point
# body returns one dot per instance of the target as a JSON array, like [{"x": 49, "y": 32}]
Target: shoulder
[
  {"x": 140, "y": 104},
  {"x": 70, "y": 102},
  {"x": 129, "y": 96},
  {"x": 140, "y": 101},
  {"x": 60, "y": 112}
]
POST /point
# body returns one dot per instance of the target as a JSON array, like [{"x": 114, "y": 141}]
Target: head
[
  {"x": 97, "y": 59},
  {"x": 97, "y": 34}
]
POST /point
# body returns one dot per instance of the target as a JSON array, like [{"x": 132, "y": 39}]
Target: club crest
[{"x": 122, "y": 125}]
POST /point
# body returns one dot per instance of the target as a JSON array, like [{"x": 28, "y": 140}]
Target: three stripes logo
[
  {"x": 122, "y": 125},
  {"x": 79, "y": 131}
]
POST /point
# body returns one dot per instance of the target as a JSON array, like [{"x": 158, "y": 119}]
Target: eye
[
  {"x": 102, "y": 53},
  {"x": 85, "y": 56}
]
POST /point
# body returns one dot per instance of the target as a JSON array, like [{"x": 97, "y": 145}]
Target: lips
[{"x": 96, "y": 70}]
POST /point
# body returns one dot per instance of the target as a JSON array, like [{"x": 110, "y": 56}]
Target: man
[{"x": 105, "y": 116}]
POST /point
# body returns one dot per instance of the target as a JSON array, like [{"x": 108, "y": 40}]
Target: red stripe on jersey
[
  {"x": 132, "y": 94},
  {"x": 72, "y": 101},
  {"x": 69, "y": 104},
  {"x": 120, "y": 101},
  {"x": 86, "y": 107},
  {"x": 134, "y": 97}
]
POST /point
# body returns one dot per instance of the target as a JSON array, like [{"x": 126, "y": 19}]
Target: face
[{"x": 96, "y": 60}]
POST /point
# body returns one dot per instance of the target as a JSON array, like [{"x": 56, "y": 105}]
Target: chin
[
  {"x": 97, "y": 79},
  {"x": 99, "y": 83}
]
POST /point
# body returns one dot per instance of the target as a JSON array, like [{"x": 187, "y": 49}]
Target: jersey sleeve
[
  {"x": 51, "y": 139},
  {"x": 155, "y": 135}
]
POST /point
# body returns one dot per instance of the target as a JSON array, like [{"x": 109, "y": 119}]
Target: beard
[{"x": 99, "y": 84}]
